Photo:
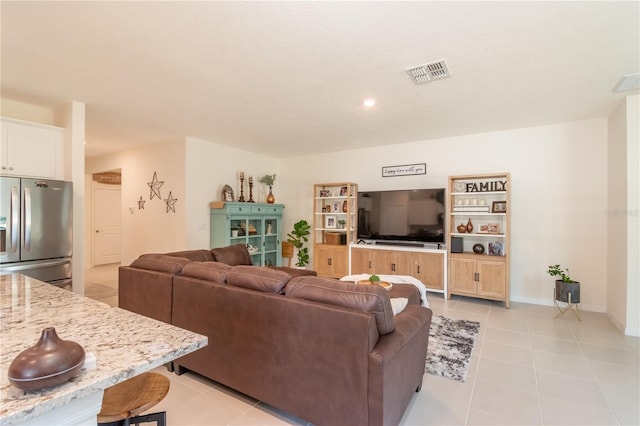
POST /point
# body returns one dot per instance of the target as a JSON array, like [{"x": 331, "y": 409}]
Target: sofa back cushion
[
  {"x": 160, "y": 263},
  {"x": 366, "y": 298},
  {"x": 258, "y": 278},
  {"x": 195, "y": 255},
  {"x": 236, "y": 254},
  {"x": 210, "y": 271}
]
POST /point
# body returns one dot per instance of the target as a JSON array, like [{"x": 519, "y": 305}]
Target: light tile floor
[{"x": 526, "y": 368}]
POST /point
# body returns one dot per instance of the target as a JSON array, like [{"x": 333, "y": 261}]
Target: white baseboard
[{"x": 547, "y": 302}]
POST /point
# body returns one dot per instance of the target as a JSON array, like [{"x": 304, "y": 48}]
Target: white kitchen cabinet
[{"x": 31, "y": 150}]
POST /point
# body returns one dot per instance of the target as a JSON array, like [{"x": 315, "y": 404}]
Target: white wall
[
  {"x": 558, "y": 201},
  {"x": 210, "y": 167},
  {"x": 623, "y": 292},
  {"x": 151, "y": 229},
  {"x": 195, "y": 171},
  {"x": 632, "y": 326},
  {"x": 28, "y": 112},
  {"x": 617, "y": 220}
]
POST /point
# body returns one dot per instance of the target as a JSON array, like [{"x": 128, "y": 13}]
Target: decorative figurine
[
  {"x": 241, "y": 198},
  {"x": 250, "y": 200}
]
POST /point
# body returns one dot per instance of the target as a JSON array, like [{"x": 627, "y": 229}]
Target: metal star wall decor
[
  {"x": 170, "y": 203},
  {"x": 141, "y": 203},
  {"x": 154, "y": 187}
]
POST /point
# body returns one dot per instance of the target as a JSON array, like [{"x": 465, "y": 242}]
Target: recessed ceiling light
[{"x": 369, "y": 102}]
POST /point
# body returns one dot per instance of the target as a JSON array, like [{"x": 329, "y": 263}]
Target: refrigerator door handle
[
  {"x": 14, "y": 220},
  {"x": 27, "y": 219}
]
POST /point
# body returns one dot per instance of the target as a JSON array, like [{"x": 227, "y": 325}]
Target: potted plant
[
  {"x": 269, "y": 181},
  {"x": 342, "y": 223},
  {"x": 567, "y": 289},
  {"x": 299, "y": 236}
]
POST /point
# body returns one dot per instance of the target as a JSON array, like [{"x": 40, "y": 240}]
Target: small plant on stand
[{"x": 567, "y": 290}]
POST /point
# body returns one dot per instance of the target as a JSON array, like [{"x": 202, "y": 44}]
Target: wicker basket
[{"x": 332, "y": 238}]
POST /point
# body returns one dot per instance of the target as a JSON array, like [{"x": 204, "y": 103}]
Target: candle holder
[
  {"x": 250, "y": 200},
  {"x": 241, "y": 198}
]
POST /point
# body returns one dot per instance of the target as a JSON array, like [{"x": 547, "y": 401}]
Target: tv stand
[
  {"x": 399, "y": 243},
  {"x": 429, "y": 265}
]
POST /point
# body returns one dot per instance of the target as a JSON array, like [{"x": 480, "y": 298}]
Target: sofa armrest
[
  {"x": 397, "y": 363},
  {"x": 145, "y": 292}
]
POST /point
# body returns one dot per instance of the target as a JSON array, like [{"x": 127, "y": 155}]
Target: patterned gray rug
[{"x": 450, "y": 345}]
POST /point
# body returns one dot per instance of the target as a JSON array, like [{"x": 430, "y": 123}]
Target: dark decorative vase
[
  {"x": 344, "y": 206},
  {"x": 478, "y": 248},
  {"x": 563, "y": 290},
  {"x": 469, "y": 226},
  {"x": 270, "y": 198},
  {"x": 462, "y": 228},
  {"x": 50, "y": 362}
]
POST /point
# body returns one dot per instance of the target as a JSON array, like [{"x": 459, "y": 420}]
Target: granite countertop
[{"x": 124, "y": 344}]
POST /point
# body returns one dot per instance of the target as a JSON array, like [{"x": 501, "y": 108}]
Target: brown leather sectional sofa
[{"x": 327, "y": 351}]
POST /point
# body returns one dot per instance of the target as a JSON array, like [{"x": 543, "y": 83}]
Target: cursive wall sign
[{"x": 405, "y": 170}]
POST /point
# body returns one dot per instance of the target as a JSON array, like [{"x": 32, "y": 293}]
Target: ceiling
[{"x": 289, "y": 78}]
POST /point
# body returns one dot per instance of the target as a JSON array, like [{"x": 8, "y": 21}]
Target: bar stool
[{"x": 123, "y": 403}]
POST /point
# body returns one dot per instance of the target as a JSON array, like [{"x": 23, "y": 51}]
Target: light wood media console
[{"x": 426, "y": 264}]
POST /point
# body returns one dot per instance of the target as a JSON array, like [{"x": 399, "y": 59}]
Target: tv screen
[{"x": 408, "y": 215}]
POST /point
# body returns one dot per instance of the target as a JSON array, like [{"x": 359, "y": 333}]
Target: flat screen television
[{"x": 402, "y": 216}]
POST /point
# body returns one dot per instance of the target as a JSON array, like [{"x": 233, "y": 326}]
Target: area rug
[{"x": 450, "y": 345}]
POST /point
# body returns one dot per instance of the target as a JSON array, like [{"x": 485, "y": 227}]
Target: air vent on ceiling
[{"x": 421, "y": 74}]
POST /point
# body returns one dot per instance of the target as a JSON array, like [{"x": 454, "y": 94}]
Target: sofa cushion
[
  {"x": 236, "y": 254},
  {"x": 210, "y": 271},
  {"x": 258, "y": 278},
  {"x": 195, "y": 255},
  {"x": 366, "y": 298},
  {"x": 160, "y": 263}
]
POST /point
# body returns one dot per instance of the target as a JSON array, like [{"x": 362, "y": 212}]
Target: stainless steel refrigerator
[{"x": 36, "y": 228}]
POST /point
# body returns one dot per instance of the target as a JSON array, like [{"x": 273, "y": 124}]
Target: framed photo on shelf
[
  {"x": 336, "y": 207},
  {"x": 499, "y": 207},
  {"x": 493, "y": 228},
  {"x": 324, "y": 192},
  {"x": 330, "y": 222},
  {"x": 343, "y": 191},
  {"x": 484, "y": 228}
]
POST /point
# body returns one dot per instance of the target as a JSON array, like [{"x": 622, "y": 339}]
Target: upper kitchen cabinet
[{"x": 31, "y": 150}]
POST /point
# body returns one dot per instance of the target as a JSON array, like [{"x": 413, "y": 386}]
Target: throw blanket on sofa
[{"x": 395, "y": 279}]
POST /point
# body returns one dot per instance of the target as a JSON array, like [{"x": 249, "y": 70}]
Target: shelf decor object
[
  {"x": 50, "y": 362},
  {"x": 269, "y": 180},
  {"x": 472, "y": 271},
  {"x": 241, "y": 197},
  {"x": 250, "y": 190}
]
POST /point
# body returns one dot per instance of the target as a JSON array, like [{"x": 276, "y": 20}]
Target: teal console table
[{"x": 257, "y": 224}]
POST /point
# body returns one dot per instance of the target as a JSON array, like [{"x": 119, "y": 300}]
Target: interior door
[{"x": 106, "y": 225}]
